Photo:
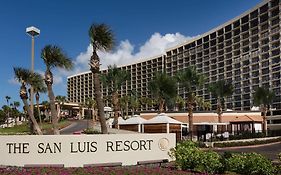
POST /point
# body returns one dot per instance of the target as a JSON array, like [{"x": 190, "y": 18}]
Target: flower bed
[{"x": 125, "y": 170}]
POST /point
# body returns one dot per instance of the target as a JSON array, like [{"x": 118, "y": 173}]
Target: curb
[{"x": 249, "y": 146}]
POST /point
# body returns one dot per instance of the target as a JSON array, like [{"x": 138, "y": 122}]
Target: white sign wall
[{"x": 80, "y": 150}]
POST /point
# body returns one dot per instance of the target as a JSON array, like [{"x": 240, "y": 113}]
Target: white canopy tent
[
  {"x": 136, "y": 120},
  {"x": 163, "y": 119}
]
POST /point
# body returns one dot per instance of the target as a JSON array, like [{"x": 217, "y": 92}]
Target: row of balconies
[{"x": 244, "y": 36}]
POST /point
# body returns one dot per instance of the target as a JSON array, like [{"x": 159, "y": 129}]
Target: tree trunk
[
  {"x": 59, "y": 111},
  {"x": 190, "y": 120},
  {"x": 219, "y": 112},
  {"x": 53, "y": 110},
  {"x": 100, "y": 104},
  {"x": 115, "y": 108},
  {"x": 264, "y": 110},
  {"x": 35, "y": 124},
  {"x": 39, "y": 114},
  {"x": 161, "y": 106},
  {"x": 127, "y": 110}
]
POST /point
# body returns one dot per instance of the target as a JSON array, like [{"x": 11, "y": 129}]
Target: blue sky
[{"x": 142, "y": 29}]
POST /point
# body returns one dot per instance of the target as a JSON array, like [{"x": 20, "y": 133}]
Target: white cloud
[
  {"x": 13, "y": 81},
  {"x": 125, "y": 52}
]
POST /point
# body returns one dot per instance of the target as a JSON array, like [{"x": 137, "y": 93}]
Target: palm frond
[
  {"x": 101, "y": 37},
  {"x": 263, "y": 96},
  {"x": 54, "y": 56},
  {"x": 221, "y": 89}
]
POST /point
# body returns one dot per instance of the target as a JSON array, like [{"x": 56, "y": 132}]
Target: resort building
[{"x": 244, "y": 51}]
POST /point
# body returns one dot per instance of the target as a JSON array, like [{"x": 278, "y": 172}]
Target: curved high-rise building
[{"x": 244, "y": 51}]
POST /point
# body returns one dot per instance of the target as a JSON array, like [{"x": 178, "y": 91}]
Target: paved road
[
  {"x": 80, "y": 125},
  {"x": 269, "y": 150},
  {"x": 76, "y": 126}
]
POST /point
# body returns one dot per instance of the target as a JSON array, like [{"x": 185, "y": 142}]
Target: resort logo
[{"x": 163, "y": 144}]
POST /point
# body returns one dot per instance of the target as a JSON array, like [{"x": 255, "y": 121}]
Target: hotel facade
[{"x": 244, "y": 51}]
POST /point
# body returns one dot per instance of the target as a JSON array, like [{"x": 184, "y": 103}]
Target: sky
[{"x": 142, "y": 29}]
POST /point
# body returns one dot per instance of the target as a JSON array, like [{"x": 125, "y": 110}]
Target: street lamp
[{"x": 33, "y": 32}]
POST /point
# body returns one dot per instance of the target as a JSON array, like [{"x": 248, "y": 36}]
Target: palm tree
[
  {"x": 39, "y": 87},
  {"x": 220, "y": 90},
  {"x": 8, "y": 112},
  {"x": 145, "y": 101},
  {"x": 263, "y": 98},
  {"x": 60, "y": 100},
  {"x": 134, "y": 104},
  {"x": 16, "y": 104},
  {"x": 80, "y": 112},
  {"x": 24, "y": 76},
  {"x": 180, "y": 103},
  {"x": 162, "y": 88},
  {"x": 114, "y": 79},
  {"x": 46, "y": 107},
  {"x": 101, "y": 39},
  {"x": 7, "y": 99},
  {"x": 189, "y": 79},
  {"x": 54, "y": 57},
  {"x": 124, "y": 105}
]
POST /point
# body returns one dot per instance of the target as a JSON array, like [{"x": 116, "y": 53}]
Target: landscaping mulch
[{"x": 167, "y": 169}]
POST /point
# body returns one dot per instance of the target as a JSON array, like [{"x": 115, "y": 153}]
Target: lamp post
[{"x": 33, "y": 32}]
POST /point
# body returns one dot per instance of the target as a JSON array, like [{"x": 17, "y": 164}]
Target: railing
[{"x": 234, "y": 135}]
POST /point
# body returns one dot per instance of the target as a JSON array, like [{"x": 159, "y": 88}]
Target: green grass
[
  {"x": 24, "y": 128},
  {"x": 19, "y": 129}
]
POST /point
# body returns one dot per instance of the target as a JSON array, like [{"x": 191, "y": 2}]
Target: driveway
[
  {"x": 76, "y": 126},
  {"x": 80, "y": 125},
  {"x": 269, "y": 150}
]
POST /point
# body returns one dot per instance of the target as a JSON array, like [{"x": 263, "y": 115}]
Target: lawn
[{"x": 24, "y": 128}]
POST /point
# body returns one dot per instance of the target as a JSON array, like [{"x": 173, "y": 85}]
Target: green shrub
[
  {"x": 235, "y": 163},
  {"x": 209, "y": 162},
  {"x": 186, "y": 154},
  {"x": 249, "y": 164},
  {"x": 189, "y": 156},
  {"x": 91, "y": 131},
  {"x": 279, "y": 157},
  {"x": 258, "y": 165},
  {"x": 277, "y": 169}
]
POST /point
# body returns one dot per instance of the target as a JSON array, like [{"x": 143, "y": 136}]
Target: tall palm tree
[
  {"x": 60, "y": 100},
  {"x": 8, "y": 112},
  {"x": 263, "y": 98},
  {"x": 220, "y": 90},
  {"x": 39, "y": 87},
  {"x": 54, "y": 57},
  {"x": 26, "y": 77},
  {"x": 114, "y": 79},
  {"x": 162, "y": 88},
  {"x": 101, "y": 39},
  {"x": 189, "y": 79}
]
